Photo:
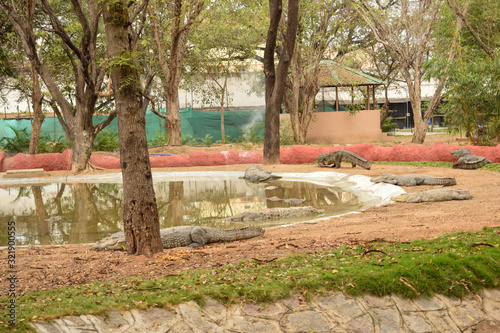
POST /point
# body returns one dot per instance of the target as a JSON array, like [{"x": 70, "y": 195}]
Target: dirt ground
[{"x": 49, "y": 267}]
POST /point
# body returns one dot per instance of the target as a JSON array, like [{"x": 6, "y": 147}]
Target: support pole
[
  {"x": 373, "y": 94},
  {"x": 337, "y": 98},
  {"x": 368, "y": 97}
]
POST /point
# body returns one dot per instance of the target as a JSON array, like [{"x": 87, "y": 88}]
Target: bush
[
  {"x": 19, "y": 143},
  {"x": 159, "y": 139},
  {"x": 46, "y": 145},
  {"x": 106, "y": 141},
  {"x": 255, "y": 133},
  {"x": 286, "y": 132},
  {"x": 207, "y": 140},
  {"x": 388, "y": 125}
]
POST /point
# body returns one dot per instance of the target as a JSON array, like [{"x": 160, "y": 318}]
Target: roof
[{"x": 332, "y": 74}]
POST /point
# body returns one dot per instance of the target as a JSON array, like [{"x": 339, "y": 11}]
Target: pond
[{"x": 85, "y": 209}]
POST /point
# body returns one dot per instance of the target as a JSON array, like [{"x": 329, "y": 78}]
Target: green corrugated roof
[{"x": 332, "y": 74}]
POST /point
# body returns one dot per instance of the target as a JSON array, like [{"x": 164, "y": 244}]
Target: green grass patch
[
  {"x": 490, "y": 167},
  {"x": 422, "y": 163},
  {"x": 452, "y": 265}
]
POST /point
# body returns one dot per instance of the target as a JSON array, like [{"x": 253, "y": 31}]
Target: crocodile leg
[{"x": 198, "y": 237}]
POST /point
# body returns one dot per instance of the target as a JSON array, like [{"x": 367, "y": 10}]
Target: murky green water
[{"x": 84, "y": 213}]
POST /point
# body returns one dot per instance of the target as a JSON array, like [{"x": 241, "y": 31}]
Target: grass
[
  {"x": 490, "y": 167},
  {"x": 453, "y": 265}
]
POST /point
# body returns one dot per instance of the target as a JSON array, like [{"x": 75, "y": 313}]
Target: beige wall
[{"x": 341, "y": 127}]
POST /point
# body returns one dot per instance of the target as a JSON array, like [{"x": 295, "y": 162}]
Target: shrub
[
  {"x": 17, "y": 144},
  {"x": 159, "y": 139},
  {"x": 388, "y": 125},
  {"x": 189, "y": 140},
  {"x": 286, "y": 132},
  {"x": 255, "y": 133},
  {"x": 47, "y": 145},
  {"x": 106, "y": 141}
]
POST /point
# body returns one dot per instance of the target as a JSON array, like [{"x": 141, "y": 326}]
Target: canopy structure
[{"x": 332, "y": 74}]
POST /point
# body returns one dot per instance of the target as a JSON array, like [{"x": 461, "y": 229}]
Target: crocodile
[
  {"x": 255, "y": 174},
  {"x": 275, "y": 214},
  {"x": 191, "y": 236},
  {"x": 438, "y": 194},
  {"x": 466, "y": 160},
  {"x": 335, "y": 157},
  {"x": 293, "y": 201},
  {"x": 413, "y": 180}
]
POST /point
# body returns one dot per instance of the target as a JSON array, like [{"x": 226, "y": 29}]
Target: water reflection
[{"x": 85, "y": 213}]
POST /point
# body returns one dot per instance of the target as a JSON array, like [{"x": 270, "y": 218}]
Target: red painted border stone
[{"x": 292, "y": 155}]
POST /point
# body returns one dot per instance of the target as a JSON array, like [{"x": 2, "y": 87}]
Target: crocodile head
[
  {"x": 460, "y": 152},
  {"x": 111, "y": 243},
  {"x": 382, "y": 178}
]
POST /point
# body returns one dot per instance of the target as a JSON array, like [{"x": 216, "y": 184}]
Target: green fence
[{"x": 198, "y": 124}]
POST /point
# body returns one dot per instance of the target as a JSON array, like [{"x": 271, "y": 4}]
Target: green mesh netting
[{"x": 198, "y": 124}]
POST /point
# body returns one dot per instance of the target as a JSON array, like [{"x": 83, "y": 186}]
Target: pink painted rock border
[{"x": 292, "y": 155}]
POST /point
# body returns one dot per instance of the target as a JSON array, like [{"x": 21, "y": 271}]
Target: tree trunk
[
  {"x": 294, "y": 105},
  {"x": 173, "y": 121},
  {"x": 276, "y": 78},
  {"x": 140, "y": 212},
  {"x": 223, "y": 95},
  {"x": 81, "y": 150},
  {"x": 36, "y": 93},
  {"x": 38, "y": 115}
]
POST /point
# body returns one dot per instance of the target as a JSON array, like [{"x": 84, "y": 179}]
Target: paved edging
[{"x": 338, "y": 312}]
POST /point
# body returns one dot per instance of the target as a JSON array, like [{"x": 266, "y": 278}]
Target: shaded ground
[{"x": 53, "y": 266}]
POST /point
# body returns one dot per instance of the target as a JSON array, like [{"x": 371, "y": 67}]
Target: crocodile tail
[
  {"x": 351, "y": 157},
  {"x": 219, "y": 235}
]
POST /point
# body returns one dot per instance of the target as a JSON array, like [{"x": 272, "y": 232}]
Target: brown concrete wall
[{"x": 341, "y": 127}]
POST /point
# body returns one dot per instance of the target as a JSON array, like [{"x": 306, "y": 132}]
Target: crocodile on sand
[
  {"x": 334, "y": 158},
  {"x": 438, "y": 194},
  {"x": 466, "y": 160},
  {"x": 413, "y": 180},
  {"x": 256, "y": 174},
  {"x": 275, "y": 214},
  {"x": 192, "y": 236}
]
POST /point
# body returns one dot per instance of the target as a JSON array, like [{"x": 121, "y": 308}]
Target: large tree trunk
[
  {"x": 276, "y": 78},
  {"x": 140, "y": 212},
  {"x": 36, "y": 92},
  {"x": 82, "y": 149},
  {"x": 173, "y": 120},
  {"x": 294, "y": 104},
  {"x": 38, "y": 116},
  {"x": 222, "y": 97}
]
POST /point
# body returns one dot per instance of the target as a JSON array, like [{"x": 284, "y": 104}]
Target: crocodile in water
[
  {"x": 275, "y": 214},
  {"x": 438, "y": 194},
  {"x": 192, "y": 236},
  {"x": 413, "y": 180},
  {"x": 334, "y": 159},
  {"x": 466, "y": 160},
  {"x": 256, "y": 174}
]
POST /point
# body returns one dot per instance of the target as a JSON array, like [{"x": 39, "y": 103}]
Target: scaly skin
[
  {"x": 256, "y": 174},
  {"x": 185, "y": 236},
  {"x": 335, "y": 158},
  {"x": 439, "y": 194},
  {"x": 466, "y": 160},
  {"x": 414, "y": 180},
  {"x": 275, "y": 214}
]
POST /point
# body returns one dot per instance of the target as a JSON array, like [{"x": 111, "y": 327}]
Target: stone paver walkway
[{"x": 335, "y": 313}]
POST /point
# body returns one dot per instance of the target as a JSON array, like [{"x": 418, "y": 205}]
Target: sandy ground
[{"x": 53, "y": 266}]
